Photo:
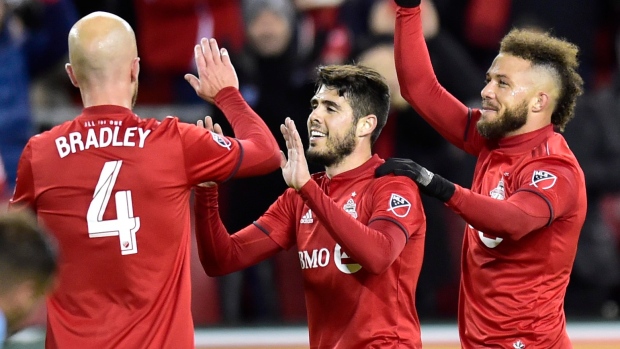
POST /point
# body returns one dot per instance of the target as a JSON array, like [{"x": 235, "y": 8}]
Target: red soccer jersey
[
  {"x": 512, "y": 289},
  {"x": 349, "y": 307},
  {"x": 114, "y": 189}
]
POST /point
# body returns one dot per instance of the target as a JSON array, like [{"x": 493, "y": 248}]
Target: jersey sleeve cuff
[{"x": 207, "y": 195}]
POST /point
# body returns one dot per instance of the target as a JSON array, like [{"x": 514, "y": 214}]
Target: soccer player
[
  {"x": 28, "y": 263},
  {"x": 527, "y": 202},
  {"x": 114, "y": 189},
  {"x": 360, "y": 239}
]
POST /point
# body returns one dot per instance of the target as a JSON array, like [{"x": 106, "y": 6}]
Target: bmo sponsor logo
[{"x": 320, "y": 258}]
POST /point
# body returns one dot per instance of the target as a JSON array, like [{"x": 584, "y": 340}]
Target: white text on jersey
[{"x": 106, "y": 137}]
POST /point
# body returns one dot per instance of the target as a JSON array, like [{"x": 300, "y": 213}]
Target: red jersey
[
  {"x": 513, "y": 278},
  {"x": 348, "y": 306},
  {"x": 114, "y": 189}
]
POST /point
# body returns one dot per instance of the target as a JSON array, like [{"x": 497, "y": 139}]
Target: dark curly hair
[
  {"x": 553, "y": 53},
  {"x": 365, "y": 89}
]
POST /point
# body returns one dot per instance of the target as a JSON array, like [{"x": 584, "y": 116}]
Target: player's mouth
[{"x": 316, "y": 135}]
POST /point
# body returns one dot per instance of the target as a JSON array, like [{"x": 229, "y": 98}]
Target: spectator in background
[
  {"x": 323, "y": 19},
  {"x": 168, "y": 29},
  {"x": 274, "y": 72},
  {"x": 33, "y": 36},
  {"x": 479, "y": 25},
  {"x": 28, "y": 263},
  {"x": 594, "y": 137},
  {"x": 124, "y": 279}
]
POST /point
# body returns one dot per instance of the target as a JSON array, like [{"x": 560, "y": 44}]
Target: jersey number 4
[{"x": 125, "y": 225}]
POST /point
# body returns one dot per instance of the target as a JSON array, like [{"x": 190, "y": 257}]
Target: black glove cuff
[
  {"x": 408, "y": 3},
  {"x": 440, "y": 188}
]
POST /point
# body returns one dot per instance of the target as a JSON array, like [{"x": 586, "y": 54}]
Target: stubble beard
[{"x": 337, "y": 150}]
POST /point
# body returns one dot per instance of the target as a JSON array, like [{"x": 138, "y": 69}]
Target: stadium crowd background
[{"x": 275, "y": 46}]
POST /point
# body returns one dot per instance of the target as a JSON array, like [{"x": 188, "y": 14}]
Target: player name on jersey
[{"x": 101, "y": 138}]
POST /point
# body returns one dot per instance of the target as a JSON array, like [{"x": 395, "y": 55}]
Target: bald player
[
  {"x": 527, "y": 202},
  {"x": 114, "y": 190}
]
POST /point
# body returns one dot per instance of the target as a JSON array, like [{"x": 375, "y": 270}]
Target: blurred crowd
[{"x": 275, "y": 45}]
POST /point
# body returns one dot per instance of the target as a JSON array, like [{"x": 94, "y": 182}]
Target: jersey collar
[
  {"x": 526, "y": 141},
  {"x": 99, "y": 110}
]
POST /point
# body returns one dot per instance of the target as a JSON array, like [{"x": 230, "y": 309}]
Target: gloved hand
[
  {"x": 428, "y": 182},
  {"x": 408, "y": 3}
]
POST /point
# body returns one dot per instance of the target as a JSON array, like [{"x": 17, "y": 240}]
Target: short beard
[
  {"x": 512, "y": 119},
  {"x": 337, "y": 150}
]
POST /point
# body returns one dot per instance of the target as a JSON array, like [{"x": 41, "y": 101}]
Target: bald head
[{"x": 102, "y": 47}]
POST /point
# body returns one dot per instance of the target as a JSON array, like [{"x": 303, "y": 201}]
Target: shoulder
[{"x": 555, "y": 152}]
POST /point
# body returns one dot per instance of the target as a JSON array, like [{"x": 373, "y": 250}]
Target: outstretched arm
[
  {"x": 217, "y": 83},
  {"x": 418, "y": 83},
  {"x": 219, "y": 252},
  {"x": 525, "y": 211}
]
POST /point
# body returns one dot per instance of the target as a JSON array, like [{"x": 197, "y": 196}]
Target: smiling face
[
  {"x": 506, "y": 97},
  {"x": 331, "y": 128}
]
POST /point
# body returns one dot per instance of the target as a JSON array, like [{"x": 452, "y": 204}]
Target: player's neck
[
  {"x": 352, "y": 161},
  {"x": 111, "y": 95}
]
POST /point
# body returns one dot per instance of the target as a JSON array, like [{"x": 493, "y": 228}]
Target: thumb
[
  {"x": 282, "y": 160},
  {"x": 193, "y": 81}
]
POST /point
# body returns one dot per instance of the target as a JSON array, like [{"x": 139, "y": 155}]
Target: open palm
[{"x": 295, "y": 168}]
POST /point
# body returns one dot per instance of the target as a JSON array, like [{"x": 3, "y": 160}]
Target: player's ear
[
  {"x": 366, "y": 125},
  {"x": 541, "y": 102},
  {"x": 135, "y": 69},
  {"x": 69, "y": 70}
]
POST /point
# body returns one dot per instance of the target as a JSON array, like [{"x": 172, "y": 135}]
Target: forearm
[
  {"x": 418, "y": 83},
  {"x": 261, "y": 153},
  {"x": 221, "y": 253},
  {"x": 374, "y": 247},
  {"x": 514, "y": 218}
]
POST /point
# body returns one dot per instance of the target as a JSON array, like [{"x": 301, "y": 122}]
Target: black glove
[
  {"x": 408, "y": 3},
  {"x": 428, "y": 182}
]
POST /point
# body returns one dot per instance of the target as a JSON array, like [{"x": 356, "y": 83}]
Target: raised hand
[
  {"x": 215, "y": 71},
  {"x": 295, "y": 169}
]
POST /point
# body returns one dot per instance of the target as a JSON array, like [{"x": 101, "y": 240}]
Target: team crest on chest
[
  {"x": 221, "y": 141},
  {"x": 351, "y": 207},
  {"x": 498, "y": 193},
  {"x": 399, "y": 206},
  {"x": 543, "y": 179}
]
